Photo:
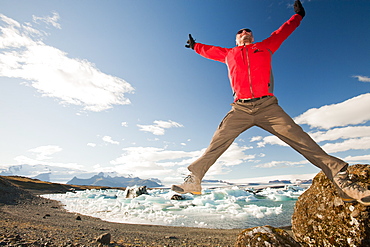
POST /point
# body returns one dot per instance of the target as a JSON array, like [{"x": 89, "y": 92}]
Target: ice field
[{"x": 223, "y": 208}]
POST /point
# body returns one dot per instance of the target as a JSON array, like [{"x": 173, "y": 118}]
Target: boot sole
[
  {"x": 191, "y": 192},
  {"x": 181, "y": 191},
  {"x": 196, "y": 192},
  {"x": 347, "y": 199}
]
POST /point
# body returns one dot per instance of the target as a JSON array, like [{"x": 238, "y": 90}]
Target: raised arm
[
  {"x": 208, "y": 51},
  {"x": 278, "y": 37}
]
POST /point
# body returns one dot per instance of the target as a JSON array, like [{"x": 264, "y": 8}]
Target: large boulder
[
  {"x": 265, "y": 236},
  {"x": 321, "y": 218}
]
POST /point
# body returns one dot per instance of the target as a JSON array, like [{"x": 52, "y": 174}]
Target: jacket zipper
[{"x": 249, "y": 73}]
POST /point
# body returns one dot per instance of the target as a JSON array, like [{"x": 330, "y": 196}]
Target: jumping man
[{"x": 249, "y": 67}]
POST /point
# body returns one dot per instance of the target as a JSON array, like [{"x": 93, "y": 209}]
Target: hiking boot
[
  {"x": 191, "y": 185},
  {"x": 349, "y": 190}
]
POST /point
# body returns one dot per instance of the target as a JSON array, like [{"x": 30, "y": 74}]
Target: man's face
[{"x": 244, "y": 37}]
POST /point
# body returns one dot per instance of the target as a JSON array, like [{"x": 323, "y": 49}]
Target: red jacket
[{"x": 250, "y": 66}]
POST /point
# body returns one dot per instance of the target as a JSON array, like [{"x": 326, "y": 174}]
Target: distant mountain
[
  {"x": 43, "y": 176},
  {"x": 307, "y": 181},
  {"x": 105, "y": 180},
  {"x": 280, "y": 182},
  {"x": 56, "y": 174},
  {"x": 75, "y": 176},
  {"x": 215, "y": 181},
  {"x": 298, "y": 181}
]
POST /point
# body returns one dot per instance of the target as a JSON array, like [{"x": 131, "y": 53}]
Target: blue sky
[{"x": 109, "y": 86}]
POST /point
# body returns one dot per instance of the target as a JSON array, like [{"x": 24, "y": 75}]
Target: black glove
[
  {"x": 190, "y": 42},
  {"x": 298, "y": 8}
]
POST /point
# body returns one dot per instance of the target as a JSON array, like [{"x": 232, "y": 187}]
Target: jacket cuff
[{"x": 299, "y": 16}]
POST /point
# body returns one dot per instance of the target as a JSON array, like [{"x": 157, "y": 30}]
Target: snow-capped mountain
[
  {"x": 57, "y": 174},
  {"x": 103, "y": 179}
]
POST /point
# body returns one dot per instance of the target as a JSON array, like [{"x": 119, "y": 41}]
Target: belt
[{"x": 252, "y": 100}]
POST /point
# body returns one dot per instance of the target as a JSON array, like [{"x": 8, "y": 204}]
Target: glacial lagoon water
[{"x": 220, "y": 208}]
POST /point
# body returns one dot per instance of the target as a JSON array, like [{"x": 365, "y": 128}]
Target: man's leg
[
  {"x": 234, "y": 123},
  {"x": 276, "y": 121}
]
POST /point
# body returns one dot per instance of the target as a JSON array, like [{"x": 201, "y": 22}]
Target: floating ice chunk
[{"x": 199, "y": 201}]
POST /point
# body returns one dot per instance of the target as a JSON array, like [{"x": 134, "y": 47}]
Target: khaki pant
[{"x": 267, "y": 114}]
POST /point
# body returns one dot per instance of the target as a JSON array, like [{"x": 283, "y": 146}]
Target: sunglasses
[{"x": 244, "y": 29}]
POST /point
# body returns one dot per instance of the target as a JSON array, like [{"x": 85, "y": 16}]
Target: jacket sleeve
[
  {"x": 211, "y": 52},
  {"x": 277, "y": 38}
]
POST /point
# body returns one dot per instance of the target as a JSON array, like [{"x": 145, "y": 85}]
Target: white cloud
[
  {"x": 256, "y": 138},
  {"x": 272, "y": 140},
  {"x": 167, "y": 124},
  {"x": 362, "y": 78},
  {"x": 41, "y": 154},
  {"x": 234, "y": 155},
  {"x": 49, "y": 20},
  {"x": 109, "y": 139},
  {"x": 155, "y": 130},
  {"x": 355, "y": 144},
  {"x": 151, "y": 161},
  {"x": 281, "y": 164},
  {"x": 341, "y": 133},
  {"x": 158, "y": 128},
  {"x": 365, "y": 158},
  {"x": 352, "y": 111},
  {"x": 90, "y": 144},
  {"x": 44, "y": 152},
  {"x": 151, "y": 156},
  {"x": 53, "y": 73},
  {"x": 124, "y": 124}
]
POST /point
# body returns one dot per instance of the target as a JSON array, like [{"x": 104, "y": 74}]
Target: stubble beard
[{"x": 247, "y": 39}]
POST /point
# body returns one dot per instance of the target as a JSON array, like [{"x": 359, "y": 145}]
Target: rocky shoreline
[{"x": 29, "y": 220}]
